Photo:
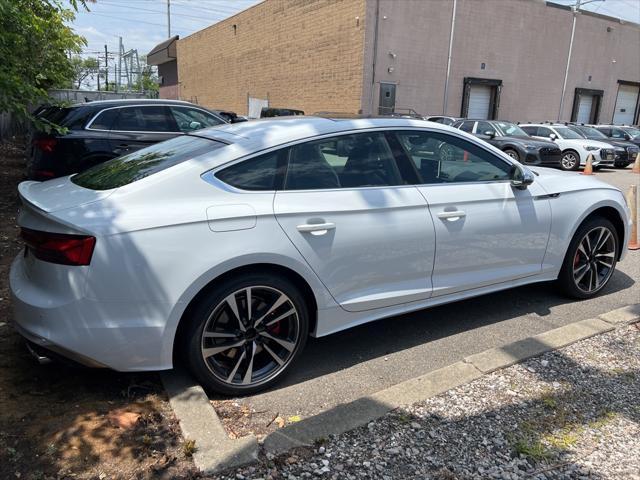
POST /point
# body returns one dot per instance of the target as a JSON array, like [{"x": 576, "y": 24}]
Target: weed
[{"x": 189, "y": 447}]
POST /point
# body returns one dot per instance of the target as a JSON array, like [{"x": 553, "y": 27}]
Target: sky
[{"x": 142, "y": 24}]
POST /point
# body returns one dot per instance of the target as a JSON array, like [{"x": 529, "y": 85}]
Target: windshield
[
  {"x": 634, "y": 132},
  {"x": 568, "y": 134},
  {"x": 511, "y": 129},
  {"x": 142, "y": 163},
  {"x": 592, "y": 132}
]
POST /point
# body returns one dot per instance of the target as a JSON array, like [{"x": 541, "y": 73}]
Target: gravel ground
[{"x": 569, "y": 414}]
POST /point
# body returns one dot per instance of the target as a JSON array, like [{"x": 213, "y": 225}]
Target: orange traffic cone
[
  {"x": 588, "y": 168},
  {"x": 636, "y": 164},
  {"x": 632, "y": 201}
]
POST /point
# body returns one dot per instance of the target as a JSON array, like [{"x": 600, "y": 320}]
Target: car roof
[
  {"x": 132, "y": 101},
  {"x": 269, "y": 132}
]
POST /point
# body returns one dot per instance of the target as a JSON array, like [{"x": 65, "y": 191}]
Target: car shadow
[{"x": 380, "y": 338}]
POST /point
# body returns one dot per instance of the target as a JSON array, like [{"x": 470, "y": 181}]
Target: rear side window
[
  {"x": 142, "y": 163},
  {"x": 258, "y": 173},
  {"x": 104, "y": 120},
  {"x": 466, "y": 127},
  {"x": 530, "y": 130},
  {"x": 152, "y": 118}
]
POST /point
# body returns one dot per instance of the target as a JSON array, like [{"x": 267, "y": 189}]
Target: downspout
[
  {"x": 446, "y": 82},
  {"x": 566, "y": 72},
  {"x": 375, "y": 56}
]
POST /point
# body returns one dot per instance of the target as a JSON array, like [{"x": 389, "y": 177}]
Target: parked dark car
[
  {"x": 616, "y": 132},
  {"x": 101, "y": 130},
  {"x": 625, "y": 151},
  {"x": 268, "y": 112},
  {"x": 231, "y": 117},
  {"x": 513, "y": 141}
]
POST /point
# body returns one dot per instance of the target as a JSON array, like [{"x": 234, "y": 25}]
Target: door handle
[
  {"x": 316, "y": 227},
  {"x": 452, "y": 216}
]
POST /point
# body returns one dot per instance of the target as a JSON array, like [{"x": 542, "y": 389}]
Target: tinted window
[
  {"x": 105, "y": 119},
  {"x": 484, "y": 127},
  {"x": 442, "y": 158},
  {"x": 190, "y": 119},
  {"x": 530, "y": 130},
  {"x": 142, "y": 163},
  {"x": 467, "y": 126},
  {"x": 544, "y": 132},
  {"x": 152, "y": 118},
  {"x": 617, "y": 133},
  {"x": 258, "y": 173},
  {"x": 349, "y": 161}
]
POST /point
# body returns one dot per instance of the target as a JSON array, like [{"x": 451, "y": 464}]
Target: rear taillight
[
  {"x": 60, "y": 248},
  {"x": 46, "y": 144}
]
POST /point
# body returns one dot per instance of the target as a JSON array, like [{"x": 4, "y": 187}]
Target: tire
[
  {"x": 576, "y": 277},
  {"x": 512, "y": 153},
  {"x": 570, "y": 160},
  {"x": 267, "y": 350}
]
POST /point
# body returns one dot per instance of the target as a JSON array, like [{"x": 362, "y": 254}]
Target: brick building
[{"x": 494, "y": 58}]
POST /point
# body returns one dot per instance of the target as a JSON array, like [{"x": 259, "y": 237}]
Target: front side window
[
  {"x": 568, "y": 134},
  {"x": 152, "y": 118},
  {"x": 257, "y": 173},
  {"x": 592, "y": 132},
  {"x": 442, "y": 158},
  {"x": 466, "y": 126},
  {"x": 545, "y": 132},
  {"x": 190, "y": 119},
  {"x": 511, "y": 129},
  {"x": 485, "y": 128},
  {"x": 348, "y": 161},
  {"x": 618, "y": 133},
  {"x": 142, "y": 163}
]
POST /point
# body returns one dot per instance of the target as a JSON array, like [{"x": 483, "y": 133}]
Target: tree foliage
[
  {"x": 83, "y": 68},
  {"x": 35, "y": 47}
]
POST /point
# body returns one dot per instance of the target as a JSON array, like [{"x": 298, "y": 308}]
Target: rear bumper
[{"x": 124, "y": 336}]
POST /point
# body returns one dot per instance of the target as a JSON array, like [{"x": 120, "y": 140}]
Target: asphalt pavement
[{"x": 363, "y": 360}]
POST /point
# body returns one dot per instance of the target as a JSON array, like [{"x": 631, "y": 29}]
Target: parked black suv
[
  {"x": 615, "y": 132},
  {"x": 625, "y": 151},
  {"x": 513, "y": 141},
  {"x": 99, "y": 131}
]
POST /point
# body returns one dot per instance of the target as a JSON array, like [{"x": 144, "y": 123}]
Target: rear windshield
[{"x": 142, "y": 163}]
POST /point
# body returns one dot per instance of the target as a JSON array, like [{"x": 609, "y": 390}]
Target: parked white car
[
  {"x": 226, "y": 248},
  {"x": 575, "y": 148}
]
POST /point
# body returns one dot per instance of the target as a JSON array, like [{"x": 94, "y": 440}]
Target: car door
[
  {"x": 138, "y": 126},
  {"x": 487, "y": 232},
  {"x": 357, "y": 221},
  {"x": 481, "y": 130}
]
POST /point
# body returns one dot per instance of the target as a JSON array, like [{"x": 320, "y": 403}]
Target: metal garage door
[
  {"x": 584, "y": 109},
  {"x": 479, "y": 101},
  {"x": 626, "y": 104}
]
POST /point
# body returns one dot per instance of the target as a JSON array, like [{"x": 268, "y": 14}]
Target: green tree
[
  {"x": 148, "y": 79},
  {"x": 35, "y": 48},
  {"x": 82, "y": 69}
]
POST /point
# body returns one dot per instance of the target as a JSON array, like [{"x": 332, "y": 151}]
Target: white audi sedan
[{"x": 226, "y": 248}]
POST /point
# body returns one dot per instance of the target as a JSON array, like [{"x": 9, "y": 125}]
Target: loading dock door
[
  {"x": 479, "y": 101},
  {"x": 626, "y": 103},
  {"x": 584, "y": 108}
]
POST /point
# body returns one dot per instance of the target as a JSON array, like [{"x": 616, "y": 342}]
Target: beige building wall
[
  {"x": 302, "y": 54},
  {"x": 524, "y": 43}
]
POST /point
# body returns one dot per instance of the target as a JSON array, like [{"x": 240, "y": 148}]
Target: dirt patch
[{"x": 64, "y": 422}]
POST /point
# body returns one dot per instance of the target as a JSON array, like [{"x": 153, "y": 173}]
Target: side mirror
[
  {"x": 521, "y": 177},
  {"x": 627, "y": 136},
  {"x": 195, "y": 125},
  {"x": 553, "y": 137},
  {"x": 490, "y": 133}
]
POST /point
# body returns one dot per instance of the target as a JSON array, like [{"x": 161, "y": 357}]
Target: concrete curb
[{"x": 217, "y": 452}]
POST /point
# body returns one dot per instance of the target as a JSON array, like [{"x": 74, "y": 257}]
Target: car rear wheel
[
  {"x": 570, "y": 160},
  {"x": 244, "y": 335},
  {"x": 513, "y": 154},
  {"x": 590, "y": 260}
]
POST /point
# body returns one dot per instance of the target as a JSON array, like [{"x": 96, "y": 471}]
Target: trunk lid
[{"x": 59, "y": 194}]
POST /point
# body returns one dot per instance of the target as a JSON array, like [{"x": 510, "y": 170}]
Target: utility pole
[
  {"x": 106, "y": 67},
  {"x": 98, "y": 70},
  {"x": 446, "y": 81},
  {"x": 119, "y": 72},
  {"x": 575, "y": 10},
  {"x": 168, "y": 18}
]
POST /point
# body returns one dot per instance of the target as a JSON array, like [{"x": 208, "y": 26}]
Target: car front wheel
[
  {"x": 512, "y": 153},
  {"x": 570, "y": 161},
  {"x": 590, "y": 260},
  {"x": 245, "y": 333}
]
